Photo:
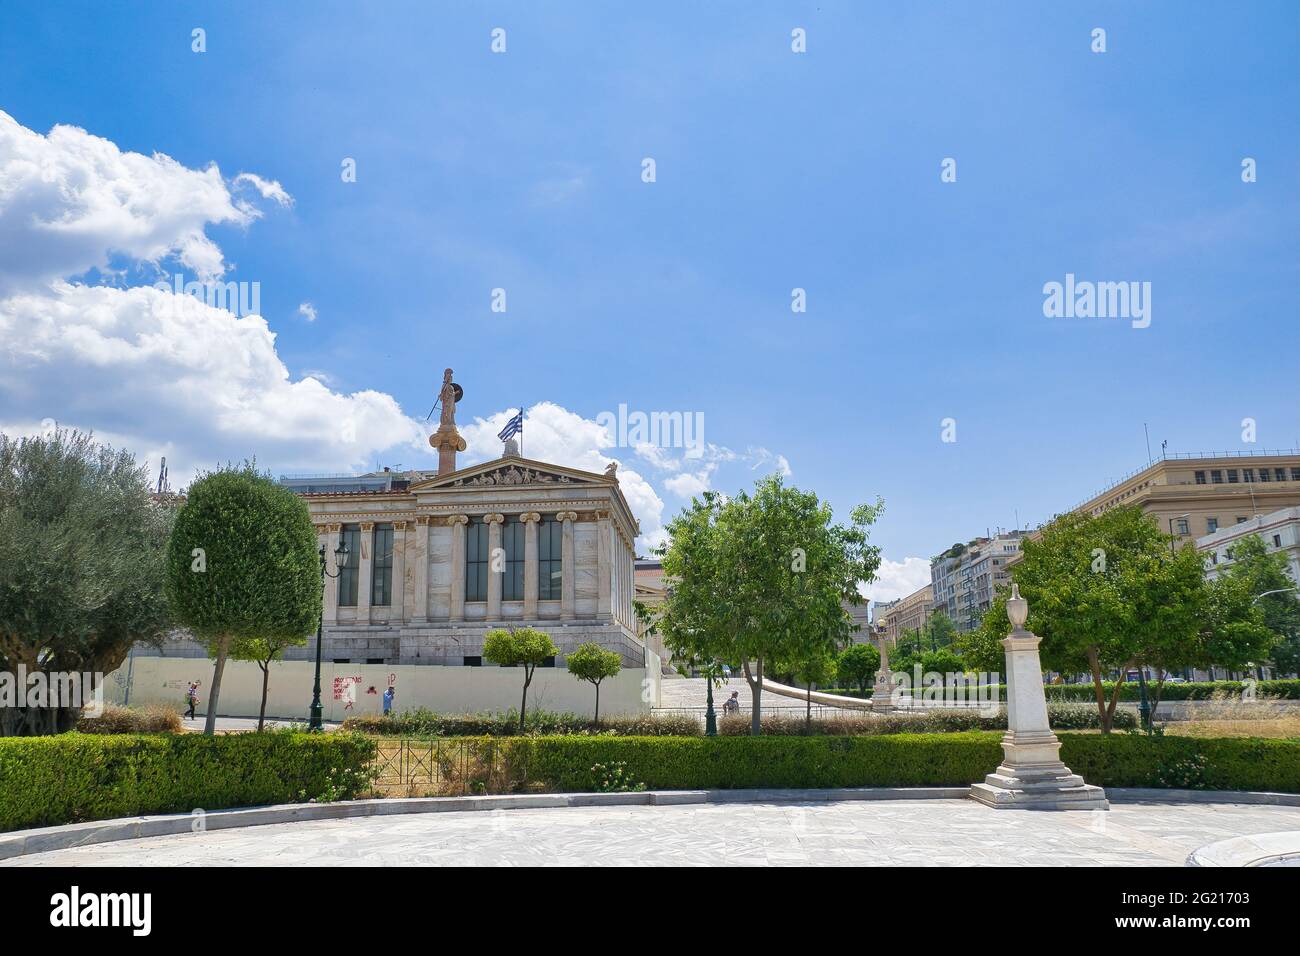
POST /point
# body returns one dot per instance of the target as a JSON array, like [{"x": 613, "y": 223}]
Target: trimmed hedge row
[
  {"x": 900, "y": 760},
  {"x": 422, "y": 723},
  {"x": 1131, "y": 691},
  {"x": 74, "y": 777}
]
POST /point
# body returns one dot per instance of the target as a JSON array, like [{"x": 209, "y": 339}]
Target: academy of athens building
[{"x": 439, "y": 558}]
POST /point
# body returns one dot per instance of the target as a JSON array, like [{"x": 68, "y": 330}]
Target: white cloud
[
  {"x": 153, "y": 371},
  {"x": 269, "y": 188},
  {"x": 896, "y": 579},
  {"x": 307, "y": 311},
  {"x": 688, "y": 484}
]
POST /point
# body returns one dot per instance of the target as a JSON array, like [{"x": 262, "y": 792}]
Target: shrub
[
  {"x": 1062, "y": 717},
  {"x": 150, "y": 719},
  {"x": 1224, "y": 763},
  {"x": 425, "y": 723},
  {"x": 75, "y": 777}
]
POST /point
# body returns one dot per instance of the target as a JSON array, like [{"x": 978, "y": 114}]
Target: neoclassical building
[{"x": 437, "y": 559}]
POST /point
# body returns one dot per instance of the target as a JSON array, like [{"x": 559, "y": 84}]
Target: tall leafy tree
[
  {"x": 242, "y": 565},
  {"x": 263, "y": 651},
  {"x": 1106, "y": 593},
  {"x": 762, "y": 579},
  {"x": 857, "y": 666},
  {"x": 1272, "y": 591},
  {"x": 524, "y": 647},
  {"x": 81, "y": 565}
]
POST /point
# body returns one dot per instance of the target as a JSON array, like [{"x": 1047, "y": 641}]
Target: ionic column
[
  {"x": 398, "y": 609},
  {"x": 420, "y": 554},
  {"x": 494, "y": 523},
  {"x": 604, "y": 565},
  {"x": 530, "y": 521},
  {"x": 330, "y": 539},
  {"x": 457, "y": 523},
  {"x": 567, "y": 603},
  {"x": 365, "y": 569}
]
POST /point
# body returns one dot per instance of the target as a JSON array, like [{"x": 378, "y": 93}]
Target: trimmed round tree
[
  {"x": 592, "y": 663},
  {"x": 524, "y": 647},
  {"x": 242, "y": 565},
  {"x": 81, "y": 566}
]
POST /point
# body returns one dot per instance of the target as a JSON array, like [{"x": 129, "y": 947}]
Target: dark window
[
  {"x": 474, "y": 660},
  {"x": 342, "y": 660},
  {"x": 548, "y": 661},
  {"x": 1232, "y": 476},
  {"x": 350, "y": 575},
  {"x": 1200, "y": 477},
  {"x": 1265, "y": 475},
  {"x": 1277, "y": 541},
  {"x": 1279, "y": 474},
  {"x": 1216, "y": 477},
  {"x": 1295, "y": 474},
  {"x": 512, "y": 542},
  {"x": 1182, "y": 527},
  {"x": 1211, "y": 525},
  {"x": 374, "y": 660},
  {"x": 550, "y": 562},
  {"x": 1248, "y": 474},
  {"x": 476, "y": 560},
  {"x": 1240, "y": 520},
  {"x": 381, "y": 568}
]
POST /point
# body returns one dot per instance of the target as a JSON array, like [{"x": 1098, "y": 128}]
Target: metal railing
[{"x": 449, "y": 767}]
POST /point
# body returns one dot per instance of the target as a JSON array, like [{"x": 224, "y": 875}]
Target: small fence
[{"x": 455, "y": 767}]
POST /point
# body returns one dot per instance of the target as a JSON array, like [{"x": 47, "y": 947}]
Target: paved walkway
[{"x": 899, "y": 832}]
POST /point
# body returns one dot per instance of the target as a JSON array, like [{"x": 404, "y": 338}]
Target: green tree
[
  {"x": 763, "y": 578},
  {"x": 263, "y": 651},
  {"x": 242, "y": 565},
  {"x": 1264, "y": 572},
  {"x": 592, "y": 663},
  {"x": 857, "y": 665},
  {"x": 81, "y": 565},
  {"x": 524, "y": 647},
  {"x": 981, "y": 649},
  {"x": 1106, "y": 594},
  {"x": 819, "y": 669}
]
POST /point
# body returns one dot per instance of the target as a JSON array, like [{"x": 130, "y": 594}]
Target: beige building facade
[{"x": 908, "y": 613}]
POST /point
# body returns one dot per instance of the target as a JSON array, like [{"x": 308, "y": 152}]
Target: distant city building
[
  {"x": 966, "y": 577},
  {"x": 1280, "y": 531},
  {"x": 908, "y": 613}
]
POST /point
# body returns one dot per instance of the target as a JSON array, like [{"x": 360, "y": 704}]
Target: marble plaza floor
[{"x": 882, "y": 833}]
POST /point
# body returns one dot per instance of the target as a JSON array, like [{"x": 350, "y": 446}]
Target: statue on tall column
[{"x": 447, "y": 439}]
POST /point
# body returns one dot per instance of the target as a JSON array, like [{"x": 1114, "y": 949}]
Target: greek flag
[{"x": 513, "y": 427}]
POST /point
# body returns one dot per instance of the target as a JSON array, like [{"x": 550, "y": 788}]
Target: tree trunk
[
  {"x": 597, "y": 717},
  {"x": 807, "y": 714},
  {"x": 755, "y": 681},
  {"x": 266, "y": 679},
  {"x": 523, "y": 701},
  {"x": 1094, "y": 665},
  {"x": 210, "y": 724},
  {"x": 1114, "y": 697}
]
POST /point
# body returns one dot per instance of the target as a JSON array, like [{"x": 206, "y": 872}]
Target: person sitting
[{"x": 732, "y": 704}]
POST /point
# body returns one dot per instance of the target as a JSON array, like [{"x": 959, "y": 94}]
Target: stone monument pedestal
[{"x": 1031, "y": 775}]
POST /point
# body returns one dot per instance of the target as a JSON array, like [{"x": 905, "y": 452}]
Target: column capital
[
  {"x": 334, "y": 527},
  {"x": 423, "y": 520},
  {"x": 529, "y": 517},
  {"x": 567, "y": 516},
  {"x": 494, "y": 518},
  {"x": 453, "y": 520},
  {"x": 399, "y": 525},
  {"x": 367, "y": 526}
]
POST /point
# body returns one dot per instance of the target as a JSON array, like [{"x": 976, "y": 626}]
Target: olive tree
[
  {"x": 242, "y": 565},
  {"x": 524, "y": 647},
  {"x": 592, "y": 663},
  {"x": 81, "y": 566}
]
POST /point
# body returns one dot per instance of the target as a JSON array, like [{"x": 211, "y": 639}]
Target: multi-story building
[
  {"x": 1194, "y": 495},
  {"x": 1279, "y": 530},
  {"x": 905, "y": 614},
  {"x": 966, "y": 577}
]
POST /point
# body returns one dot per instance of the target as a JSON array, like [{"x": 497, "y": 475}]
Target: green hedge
[
  {"x": 73, "y": 777},
  {"x": 899, "y": 760},
  {"x": 1131, "y": 691},
  {"x": 422, "y": 723}
]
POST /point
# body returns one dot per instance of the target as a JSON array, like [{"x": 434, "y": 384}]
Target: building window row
[{"x": 1248, "y": 475}]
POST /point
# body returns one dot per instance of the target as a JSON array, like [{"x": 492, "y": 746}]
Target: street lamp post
[
  {"x": 710, "y": 715},
  {"x": 341, "y": 560}
]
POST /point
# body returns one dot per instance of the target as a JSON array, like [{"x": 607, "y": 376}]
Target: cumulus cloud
[
  {"x": 896, "y": 579},
  {"x": 154, "y": 371},
  {"x": 307, "y": 311}
]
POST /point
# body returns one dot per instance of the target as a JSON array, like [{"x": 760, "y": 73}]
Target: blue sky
[{"x": 775, "y": 170}]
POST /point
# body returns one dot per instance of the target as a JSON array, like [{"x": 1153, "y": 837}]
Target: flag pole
[{"x": 521, "y": 431}]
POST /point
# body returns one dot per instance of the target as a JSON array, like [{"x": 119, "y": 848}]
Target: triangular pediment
[{"x": 512, "y": 472}]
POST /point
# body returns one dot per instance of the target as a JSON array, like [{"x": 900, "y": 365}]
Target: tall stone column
[
  {"x": 882, "y": 695},
  {"x": 567, "y": 586},
  {"x": 604, "y": 567},
  {"x": 420, "y": 555},
  {"x": 398, "y": 601},
  {"x": 530, "y": 521},
  {"x": 495, "y": 561},
  {"x": 365, "y": 572},
  {"x": 457, "y": 523},
  {"x": 1031, "y": 775}
]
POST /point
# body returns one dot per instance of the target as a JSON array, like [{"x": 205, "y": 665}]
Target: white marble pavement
[{"x": 883, "y": 833}]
